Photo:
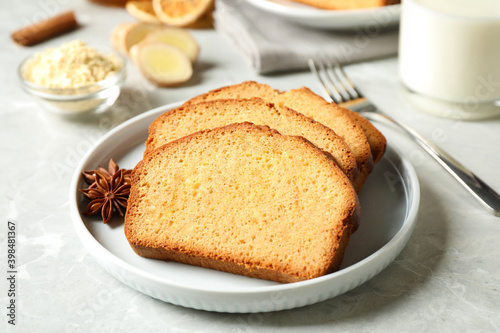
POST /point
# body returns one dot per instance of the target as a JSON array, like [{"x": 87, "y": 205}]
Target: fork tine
[
  {"x": 333, "y": 94},
  {"x": 336, "y": 81},
  {"x": 330, "y": 81},
  {"x": 346, "y": 82}
]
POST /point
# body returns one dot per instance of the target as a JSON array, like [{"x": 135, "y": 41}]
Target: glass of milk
[{"x": 449, "y": 57}]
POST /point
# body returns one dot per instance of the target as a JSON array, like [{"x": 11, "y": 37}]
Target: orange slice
[
  {"x": 142, "y": 10},
  {"x": 180, "y": 13}
]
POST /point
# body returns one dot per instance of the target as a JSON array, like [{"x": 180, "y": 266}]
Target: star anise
[
  {"x": 89, "y": 176},
  {"x": 108, "y": 192}
]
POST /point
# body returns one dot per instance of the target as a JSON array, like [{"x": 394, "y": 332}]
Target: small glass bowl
[{"x": 96, "y": 97}]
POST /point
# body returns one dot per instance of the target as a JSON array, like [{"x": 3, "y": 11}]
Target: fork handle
[{"x": 479, "y": 189}]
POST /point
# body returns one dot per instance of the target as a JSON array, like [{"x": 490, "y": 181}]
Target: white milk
[
  {"x": 466, "y": 8},
  {"x": 449, "y": 56}
]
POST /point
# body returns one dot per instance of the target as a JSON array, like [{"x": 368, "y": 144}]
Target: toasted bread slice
[
  {"x": 191, "y": 118},
  {"x": 242, "y": 199},
  {"x": 303, "y": 100}
]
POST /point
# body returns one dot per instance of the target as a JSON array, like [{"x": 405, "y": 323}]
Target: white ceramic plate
[
  {"x": 389, "y": 200},
  {"x": 331, "y": 19}
]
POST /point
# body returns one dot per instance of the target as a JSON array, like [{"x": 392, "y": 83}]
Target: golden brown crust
[
  {"x": 304, "y": 242},
  {"x": 230, "y": 266},
  {"x": 376, "y": 140}
]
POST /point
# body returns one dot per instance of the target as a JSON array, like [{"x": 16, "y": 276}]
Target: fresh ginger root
[{"x": 164, "y": 55}]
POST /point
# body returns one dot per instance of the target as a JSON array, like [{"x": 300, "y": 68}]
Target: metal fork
[{"x": 340, "y": 89}]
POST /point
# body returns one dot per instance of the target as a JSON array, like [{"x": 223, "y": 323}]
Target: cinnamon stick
[{"x": 41, "y": 31}]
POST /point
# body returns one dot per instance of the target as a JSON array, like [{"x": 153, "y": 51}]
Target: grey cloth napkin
[{"x": 270, "y": 43}]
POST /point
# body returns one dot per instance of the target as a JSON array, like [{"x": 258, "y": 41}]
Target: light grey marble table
[{"x": 447, "y": 279}]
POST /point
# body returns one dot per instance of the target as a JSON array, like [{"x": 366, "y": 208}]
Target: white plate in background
[
  {"x": 389, "y": 201},
  {"x": 331, "y": 19}
]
